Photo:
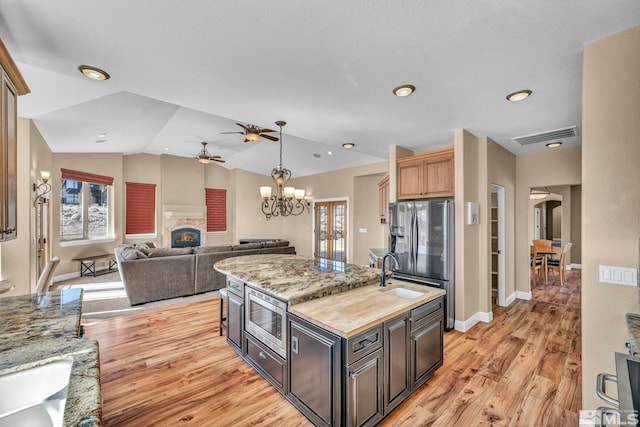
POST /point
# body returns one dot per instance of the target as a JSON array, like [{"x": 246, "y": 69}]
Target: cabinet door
[
  {"x": 235, "y": 322},
  {"x": 363, "y": 390},
  {"x": 383, "y": 198},
  {"x": 8, "y": 141},
  {"x": 396, "y": 361},
  {"x": 314, "y": 372},
  {"x": 426, "y": 349},
  {"x": 410, "y": 178},
  {"x": 438, "y": 176}
]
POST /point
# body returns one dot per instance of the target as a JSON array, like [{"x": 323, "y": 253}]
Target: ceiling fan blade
[
  {"x": 242, "y": 126},
  {"x": 272, "y": 138},
  {"x": 233, "y": 132},
  {"x": 214, "y": 157},
  {"x": 267, "y": 130},
  {"x": 218, "y": 160}
]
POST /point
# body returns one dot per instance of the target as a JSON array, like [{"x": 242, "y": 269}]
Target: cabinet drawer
[
  {"x": 235, "y": 287},
  {"x": 270, "y": 364},
  {"x": 420, "y": 314},
  {"x": 363, "y": 343}
]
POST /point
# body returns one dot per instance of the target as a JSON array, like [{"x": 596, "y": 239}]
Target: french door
[{"x": 330, "y": 233}]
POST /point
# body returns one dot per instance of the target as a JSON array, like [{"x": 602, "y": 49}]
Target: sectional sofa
[{"x": 152, "y": 274}]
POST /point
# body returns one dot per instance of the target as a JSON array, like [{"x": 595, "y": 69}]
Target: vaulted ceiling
[{"x": 183, "y": 71}]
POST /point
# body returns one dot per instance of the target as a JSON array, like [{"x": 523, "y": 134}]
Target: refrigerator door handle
[{"x": 414, "y": 239}]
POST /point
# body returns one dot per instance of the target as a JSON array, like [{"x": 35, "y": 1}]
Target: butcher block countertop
[
  {"x": 348, "y": 313},
  {"x": 295, "y": 278}
]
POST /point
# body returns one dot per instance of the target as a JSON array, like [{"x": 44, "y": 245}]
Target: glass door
[{"x": 330, "y": 234}]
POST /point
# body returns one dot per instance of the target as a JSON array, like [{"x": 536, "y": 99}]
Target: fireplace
[
  {"x": 183, "y": 226},
  {"x": 184, "y": 237}
]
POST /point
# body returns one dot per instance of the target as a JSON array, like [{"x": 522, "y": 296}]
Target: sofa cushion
[
  {"x": 275, "y": 243},
  {"x": 211, "y": 249},
  {"x": 160, "y": 252},
  {"x": 142, "y": 247},
  {"x": 246, "y": 246},
  {"x": 129, "y": 252}
]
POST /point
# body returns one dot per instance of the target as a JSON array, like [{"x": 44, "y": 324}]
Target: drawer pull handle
[
  {"x": 365, "y": 342},
  {"x": 601, "y": 388},
  {"x": 262, "y": 355}
]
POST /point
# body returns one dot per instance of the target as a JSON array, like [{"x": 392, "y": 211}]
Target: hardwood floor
[{"x": 170, "y": 367}]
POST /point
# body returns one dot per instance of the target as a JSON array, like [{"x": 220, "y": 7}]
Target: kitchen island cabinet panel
[
  {"x": 396, "y": 352},
  {"x": 235, "y": 322},
  {"x": 426, "y": 349},
  {"x": 314, "y": 372},
  {"x": 363, "y": 391},
  {"x": 269, "y": 364}
]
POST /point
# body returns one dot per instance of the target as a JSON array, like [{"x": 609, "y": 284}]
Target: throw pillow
[
  {"x": 143, "y": 247},
  {"x": 129, "y": 252}
]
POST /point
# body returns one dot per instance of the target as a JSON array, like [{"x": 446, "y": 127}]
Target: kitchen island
[
  {"x": 41, "y": 329},
  {"x": 339, "y": 347}
]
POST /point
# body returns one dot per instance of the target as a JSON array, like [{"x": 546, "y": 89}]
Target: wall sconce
[{"x": 43, "y": 188}]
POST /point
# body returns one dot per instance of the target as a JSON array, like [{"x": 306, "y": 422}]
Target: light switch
[
  {"x": 619, "y": 275},
  {"x": 363, "y": 230}
]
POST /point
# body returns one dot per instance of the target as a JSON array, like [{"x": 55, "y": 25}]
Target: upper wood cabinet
[
  {"x": 429, "y": 175},
  {"x": 383, "y": 199},
  {"x": 12, "y": 85}
]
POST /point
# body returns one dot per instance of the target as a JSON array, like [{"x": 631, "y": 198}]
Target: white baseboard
[
  {"x": 574, "y": 265},
  {"x": 523, "y": 295},
  {"x": 510, "y": 299},
  {"x": 464, "y": 326}
]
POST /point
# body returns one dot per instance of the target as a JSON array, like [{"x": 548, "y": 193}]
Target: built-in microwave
[{"x": 266, "y": 319}]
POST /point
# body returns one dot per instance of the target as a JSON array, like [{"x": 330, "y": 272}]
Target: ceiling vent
[{"x": 551, "y": 135}]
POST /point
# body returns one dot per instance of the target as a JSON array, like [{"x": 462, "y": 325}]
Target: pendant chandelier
[{"x": 286, "y": 200}]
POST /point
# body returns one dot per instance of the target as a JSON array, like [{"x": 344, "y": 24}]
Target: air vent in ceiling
[{"x": 551, "y": 135}]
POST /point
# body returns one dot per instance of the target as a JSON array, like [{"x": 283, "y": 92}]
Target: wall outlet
[{"x": 619, "y": 275}]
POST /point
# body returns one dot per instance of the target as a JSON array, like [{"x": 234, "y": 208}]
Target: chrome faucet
[{"x": 382, "y": 274}]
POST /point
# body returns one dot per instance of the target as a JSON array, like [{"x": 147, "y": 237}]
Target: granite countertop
[
  {"x": 356, "y": 310},
  {"x": 84, "y": 400},
  {"x": 39, "y": 329},
  {"x": 296, "y": 278},
  {"x": 633, "y": 329}
]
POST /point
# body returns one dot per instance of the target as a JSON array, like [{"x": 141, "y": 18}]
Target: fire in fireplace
[{"x": 184, "y": 237}]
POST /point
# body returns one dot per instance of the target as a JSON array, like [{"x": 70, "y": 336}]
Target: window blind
[
  {"x": 86, "y": 177},
  {"x": 216, "y": 201},
  {"x": 140, "y": 208}
]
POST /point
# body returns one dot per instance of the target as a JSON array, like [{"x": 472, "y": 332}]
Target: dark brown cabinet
[
  {"x": 12, "y": 86},
  {"x": 314, "y": 372},
  {"x": 429, "y": 175},
  {"x": 363, "y": 390},
  {"x": 426, "y": 341},
  {"x": 235, "y": 315},
  {"x": 396, "y": 369}
]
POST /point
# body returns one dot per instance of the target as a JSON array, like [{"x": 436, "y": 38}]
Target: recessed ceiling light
[
  {"x": 404, "y": 90},
  {"x": 93, "y": 72},
  {"x": 102, "y": 135},
  {"x": 166, "y": 148},
  {"x": 330, "y": 153},
  {"x": 519, "y": 95},
  {"x": 554, "y": 144},
  {"x": 348, "y": 145}
]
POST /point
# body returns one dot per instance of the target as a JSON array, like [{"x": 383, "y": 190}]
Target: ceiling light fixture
[
  {"x": 404, "y": 90},
  {"x": 93, "y": 72},
  {"x": 519, "y": 95},
  {"x": 348, "y": 145},
  {"x": 554, "y": 144},
  {"x": 287, "y": 200},
  {"x": 539, "y": 194}
]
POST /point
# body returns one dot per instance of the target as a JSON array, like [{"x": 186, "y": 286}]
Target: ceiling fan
[
  {"x": 253, "y": 133},
  {"x": 204, "y": 157}
]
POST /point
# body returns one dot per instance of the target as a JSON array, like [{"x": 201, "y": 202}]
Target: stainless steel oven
[{"x": 266, "y": 319}]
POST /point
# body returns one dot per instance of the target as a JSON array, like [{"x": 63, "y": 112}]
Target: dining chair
[
  {"x": 538, "y": 264},
  {"x": 542, "y": 242},
  {"x": 559, "y": 265},
  {"x": 46, "y": 277}
]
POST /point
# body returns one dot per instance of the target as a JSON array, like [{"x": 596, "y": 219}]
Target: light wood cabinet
[
  {"x": 429, "y": 175},
  {"x": 12, "y": 86},
  {"x": 383, "y": 199}
]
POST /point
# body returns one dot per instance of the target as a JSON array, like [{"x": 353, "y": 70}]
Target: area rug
[{"x": 104, "y": 297}]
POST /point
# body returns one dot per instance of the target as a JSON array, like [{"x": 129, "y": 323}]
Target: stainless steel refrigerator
[{"x": 421, "y": 237}]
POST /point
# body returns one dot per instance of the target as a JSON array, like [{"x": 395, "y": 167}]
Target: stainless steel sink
[
  {"x": 404, "y": 293},
  {"x": 35, "y": 396}
]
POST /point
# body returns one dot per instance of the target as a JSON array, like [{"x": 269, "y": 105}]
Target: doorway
[
  {"x": 330, "y": 230},
  {"x": 498, "y": 283}
]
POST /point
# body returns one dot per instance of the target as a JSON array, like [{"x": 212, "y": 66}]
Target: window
[
  {"x": 84, "y": 206},
  {"x": 216, "y": 201},
  {"x": 141, "y": 209}
]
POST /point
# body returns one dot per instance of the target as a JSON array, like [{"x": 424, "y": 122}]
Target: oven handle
[{"x": 601, "y": 389}]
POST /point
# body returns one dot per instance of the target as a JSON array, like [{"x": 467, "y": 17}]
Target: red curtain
[
  {"x": 141, "y": 208},
  {"x": 216, "y": 201}
]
